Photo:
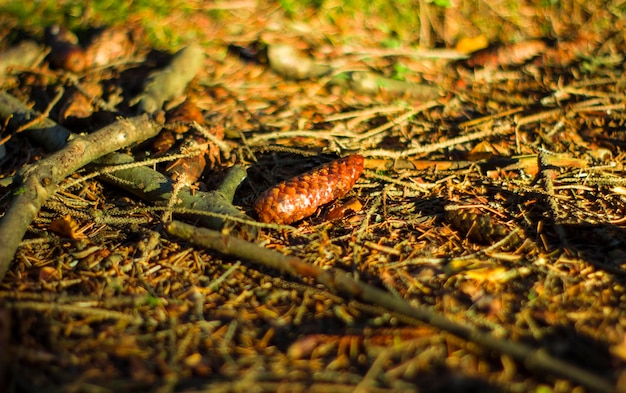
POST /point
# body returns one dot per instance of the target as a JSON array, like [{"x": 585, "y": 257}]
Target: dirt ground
[{"x": 478, "y": 246}]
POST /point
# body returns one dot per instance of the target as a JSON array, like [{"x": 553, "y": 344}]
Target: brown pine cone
[{"x": 299, "y": 197}]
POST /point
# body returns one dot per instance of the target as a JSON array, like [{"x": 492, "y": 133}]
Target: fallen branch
[
  {"x": 340, "y": 282},
  {"x": 24, "y": 55},
  {"x": 171, "y": 81},
  {"x": 153, "y": 186},
  {"x": 44, "y": 132},
  {"x": 40, "y": 180}
]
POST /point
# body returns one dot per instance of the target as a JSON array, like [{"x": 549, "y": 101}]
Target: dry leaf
[
  {"x": 110, "y": 45},
  {"x": 66, "y": 227},
  {"x": 344, "y": 209},
  {"x": 469, "y": 45}
]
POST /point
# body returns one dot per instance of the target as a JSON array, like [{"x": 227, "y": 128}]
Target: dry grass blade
[{"x": 94, "y": 313}]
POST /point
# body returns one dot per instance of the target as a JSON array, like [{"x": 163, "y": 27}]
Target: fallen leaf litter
[{"x": 121, "y": 304}]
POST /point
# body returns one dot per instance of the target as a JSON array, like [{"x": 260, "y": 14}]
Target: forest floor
[{"x": 482, "y": 248}]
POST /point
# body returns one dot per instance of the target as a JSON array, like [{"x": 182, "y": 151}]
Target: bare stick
[
  {"x": 26, "y": 54},
  {"x": 286, "y": 61},
  {"x": 340, "y": 282},
  {"x": 46, "y": 132},
  {"x": 171, "y": 81},
  {"x": 140, "y": 180},
  {"x": 40, "y": 180}
]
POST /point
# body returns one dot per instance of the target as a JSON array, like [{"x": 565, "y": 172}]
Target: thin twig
[
  {"x": 47, "y": 133},
  {"x": 438, "y": 146},
  {"x": 223, "y": 146},
  {"x": 98, "y": 313},
  {"x": 43, "y": 115},
  {"x": 548, "y": 173},
  {"x": 369, "y": 112},
  {"x": 394, "y": 122}
]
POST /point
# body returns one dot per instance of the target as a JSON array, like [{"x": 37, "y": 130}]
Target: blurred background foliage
[{"x": 428, "y": 23}]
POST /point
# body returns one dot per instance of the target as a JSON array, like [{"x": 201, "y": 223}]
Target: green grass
[
  {"x": 34, "y": 16},
  {"x": 399, "y": 18}
]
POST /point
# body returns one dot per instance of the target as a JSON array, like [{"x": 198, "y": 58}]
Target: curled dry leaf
[
  {"x": 48, "y": 274},
  {"x": 66, "y": 227},
  {"x": 178, "y": 120},
  {"x": 189, "y": 167},
  {"x": 65, "y": 52},
  {"x": 111, "y": 44},
  {"x": 163, "y": 142},
  {"x": 350, "y": 206},
  {"x": 299, "y": 197},
  {"x": 181, "y": 116},
  {"x": 513, "y": 54},
  {"x": 79, "y": 105}
]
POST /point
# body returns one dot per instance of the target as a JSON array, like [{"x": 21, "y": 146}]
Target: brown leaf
[
  {"x": 350, "y": 206},
  {"x": 189, "y": 167},
  {"x": 78, "y": 105},
  {"x": 163, "y": 142},
  {"x": 110, "y": 45},
  {"x": 66, "y": 227},
  {"x": 49, "y": 274},
  {"x": 472, "y": 44},
  {"x": 183, "y": 115},
  {"x": 65, "y": 52}
]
